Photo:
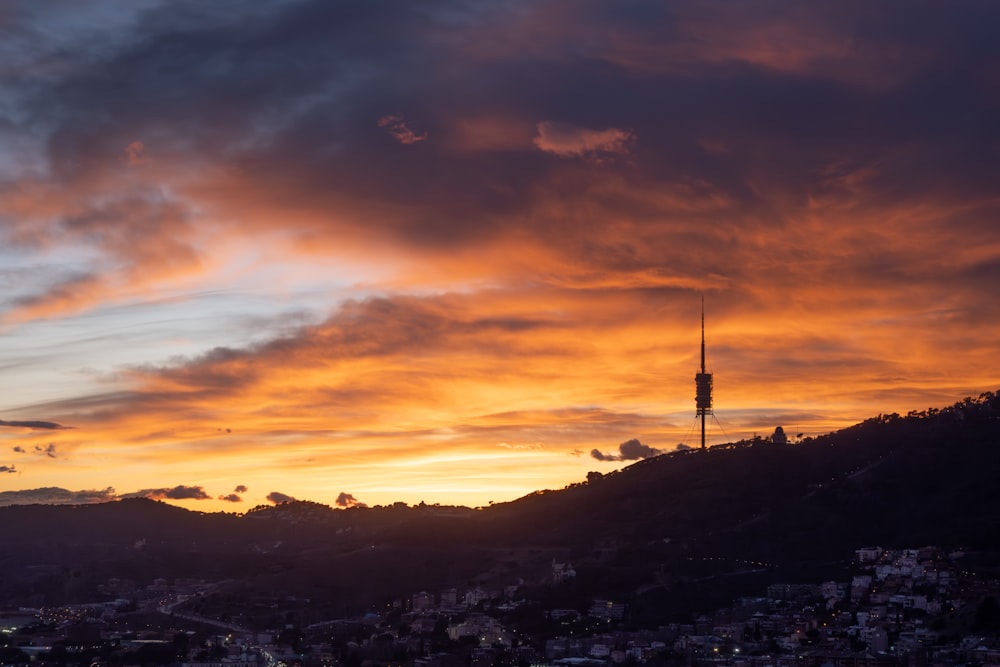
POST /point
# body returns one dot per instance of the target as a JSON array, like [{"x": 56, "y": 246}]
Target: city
[{"x": 902, "y": 606}]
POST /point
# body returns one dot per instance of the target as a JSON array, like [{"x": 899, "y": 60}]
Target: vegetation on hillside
[{"x": 681, "y": 527}]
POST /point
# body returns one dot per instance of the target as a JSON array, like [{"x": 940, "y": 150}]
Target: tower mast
[
  {"x": 703, "y": 382},
  {"x": 702, "y": 334}
]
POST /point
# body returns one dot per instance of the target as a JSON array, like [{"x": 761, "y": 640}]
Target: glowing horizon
[{"x": 244, "y": 248}]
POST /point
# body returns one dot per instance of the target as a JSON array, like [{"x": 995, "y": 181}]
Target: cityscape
[
  {"x": 756, "y": 574},
  {"x": 444, "y": 252},
  {"x": 535, "y": 333},
  {"x": 897, "y": 608}
]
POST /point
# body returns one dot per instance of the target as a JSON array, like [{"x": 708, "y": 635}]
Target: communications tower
[{"x": 703, "y": 383}]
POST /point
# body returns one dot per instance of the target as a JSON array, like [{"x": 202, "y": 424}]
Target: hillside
[{"x": 734, "y": 518}]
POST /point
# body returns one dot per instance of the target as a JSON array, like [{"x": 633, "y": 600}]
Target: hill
[{"x": 673, "y": 532}]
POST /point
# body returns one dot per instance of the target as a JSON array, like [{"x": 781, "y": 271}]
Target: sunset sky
[{"x": 442, "y": 251}]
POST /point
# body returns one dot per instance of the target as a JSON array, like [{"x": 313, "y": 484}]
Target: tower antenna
[
  {"x": 702, "y": 334},
  {"x": 703, "y": 382}
]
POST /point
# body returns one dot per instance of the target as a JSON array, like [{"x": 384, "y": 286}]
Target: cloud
[
  {"x": 41, "y": 425},
  {"x": 397, "y": 128},
  {"x": 68, "y": 294},
  {"x": 490, "y": 270},
  {"x": 179, "y": 492},
  {"x": 134, "y": 153},
  {"x": 56, "y": 496},
  {"x": 530, "y": 446},
  {"x": 141, "y": 235},
  {"x": 279, "y": 498},
  {"x": 348, "y": 500},
  {"x": 566, "y": 140},
  {"x": 630, "y": 450},
  {"x": 234, "y": 497},
  {"x": 8, "y": 469},
  {"x": 49, "y": 450}
]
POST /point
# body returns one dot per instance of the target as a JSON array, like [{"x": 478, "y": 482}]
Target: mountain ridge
[{"x": 800, "y": 510}]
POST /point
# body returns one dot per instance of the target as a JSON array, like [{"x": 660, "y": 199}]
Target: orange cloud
[
  {"x": 409, "y": 386},
  {"x": 567, "y": 140},
  {"x": 283, "y": 294},
  {"x": 134, "y": 153}
]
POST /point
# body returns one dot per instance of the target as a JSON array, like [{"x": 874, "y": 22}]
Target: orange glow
[{"x": 314, "y": 271}]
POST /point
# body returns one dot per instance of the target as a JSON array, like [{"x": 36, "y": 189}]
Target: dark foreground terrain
[{"x": 673, "y": 535}]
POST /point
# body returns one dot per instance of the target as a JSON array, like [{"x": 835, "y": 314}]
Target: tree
[
  {"x": 987, "y": 616},
  {"x": 291, "y": 637}
]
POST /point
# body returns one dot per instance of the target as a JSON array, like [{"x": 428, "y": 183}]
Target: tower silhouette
[{"x": 703, "y": 382}]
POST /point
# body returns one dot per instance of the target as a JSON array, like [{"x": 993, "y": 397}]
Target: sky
[{"x": 454, "y": 252}]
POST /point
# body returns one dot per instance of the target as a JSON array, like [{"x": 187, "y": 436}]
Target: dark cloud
[
  {"x": 658, "y": 73},
  {"x": 8, "y": 469},
  {"x": 34, "y": 424},
  {"x": 348, "y": 500},
  {"x": 56, "y": 496},
  {"x": 234, "y": 497},
  {"x": 19, "y": 449},
  {"x": 179, "y": 492},
  {"x": 49, "y": 450},
  {"x": 279, "y": 498},
  {"x": 701, "y": 95},
  {"x": 398, "y": 128},
  {"x": 630, "y": 450}
]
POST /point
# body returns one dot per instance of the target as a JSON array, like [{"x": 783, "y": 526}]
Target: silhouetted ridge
[{"x": 924, "y": 478}]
